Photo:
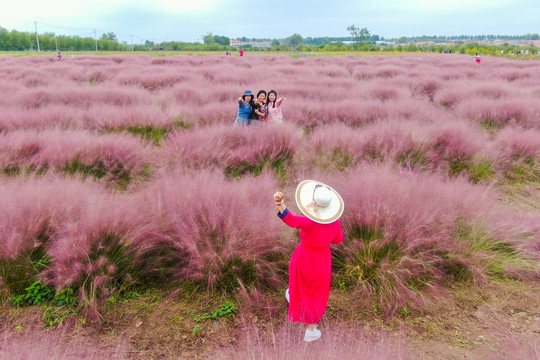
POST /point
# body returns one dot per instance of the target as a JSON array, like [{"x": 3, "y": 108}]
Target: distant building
[{"x": 261, "y": 44}]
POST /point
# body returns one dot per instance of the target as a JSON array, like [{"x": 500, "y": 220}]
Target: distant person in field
[
  {"x": 245, "y": 106},
  {"x": 260, "y": 109},
  {"x": 310, "y": 268},
  {"x": 275, "y": 115},
  {"x": 241, "y": 52},
  {"x": 59, "y": 56}
]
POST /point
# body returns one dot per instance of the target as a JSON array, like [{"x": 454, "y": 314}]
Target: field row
[
  {"x": 117, "y": 92},
  {"x": 454, "y": 148},
  {"x": 404, "y": 234}
]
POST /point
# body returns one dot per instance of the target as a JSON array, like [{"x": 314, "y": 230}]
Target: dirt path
[{"x": 499, "y": 321}]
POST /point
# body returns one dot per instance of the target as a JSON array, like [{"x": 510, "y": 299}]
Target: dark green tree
[
  {"x": 109, "y": 36},
  {"x": 209, "y": 38},
  {"x": 222, "y": 40},
  {"x": 358, "y": 34},
  {"x": 295, "y": 40}
]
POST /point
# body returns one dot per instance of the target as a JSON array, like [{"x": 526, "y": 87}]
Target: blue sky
[{"x": 161, "y": 20}]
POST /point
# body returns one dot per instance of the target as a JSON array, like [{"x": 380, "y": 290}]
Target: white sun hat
[{"x": 319, "y": 202}]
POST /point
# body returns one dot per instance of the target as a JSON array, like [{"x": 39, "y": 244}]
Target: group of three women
[{"x": 263, "y": 109}]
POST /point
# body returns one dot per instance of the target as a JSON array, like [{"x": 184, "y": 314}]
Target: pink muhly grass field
[
  {"x": 319, "y": 90},
  {"x": 416, "y": 144},
  {"x": 71, "y": 151}
]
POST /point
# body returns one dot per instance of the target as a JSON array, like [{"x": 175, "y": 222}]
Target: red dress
[{"x": 310, "y": 269}]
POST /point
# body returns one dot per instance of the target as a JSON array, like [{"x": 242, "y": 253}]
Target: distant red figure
[{"x": 241, "y": 52}]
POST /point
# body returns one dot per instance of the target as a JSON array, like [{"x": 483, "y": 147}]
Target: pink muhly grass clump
[
  {"x": 494, "y": 90},
  {"x": 89, "y": 75},
  {"x": 153, "y": 80},
  {"x": 332, "y": 147},
  {"x": 401, "y": 231},
  {"x": 225, "y": 94},
  {"x": 338, "y": 341},
  {"x": 336, "y": 71},
  {"x": 92, "y": 251},
  {"x": 414, "y": 109},
  {"x": 516, "y": 142},
  {"x": 71, "y": 151},
  {"x": 427, "y": 87},
  {"x": 216, "y": 113},
  {"x": 80, "y": 97},
  {"x": 49, "y": 116},
  {"x": 336, "y": 147},
  {"x": 449, "y": 97},
  {"x": 383, "y": 91},
  {"x": 453, "y": 146},
  {"x": 78, "y": 226},
  {"x": 38, "y": 344},
  {"x": 347, "y": 111},
  {"x": 499, "y": 113},
  {"x": 518, "y": 153},
  {"x": 189, "y": 95},
  {"x": 110, "y": 117},
  {"x": 388, "y": 71},
  {"x": 513, "y": 75},
  {"x": 225, "y": 146},
  {"x": 448, "y": 147},
  {"x": 201, "y": 227}
]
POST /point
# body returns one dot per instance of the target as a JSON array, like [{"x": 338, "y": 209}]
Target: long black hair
[{"x": 268, "y": 98}]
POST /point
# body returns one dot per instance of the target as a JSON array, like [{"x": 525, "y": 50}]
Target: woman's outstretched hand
[{"x": 278, "y": 197}]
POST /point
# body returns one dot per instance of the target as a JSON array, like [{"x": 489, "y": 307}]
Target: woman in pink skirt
[{"x": 310, "y": 267}]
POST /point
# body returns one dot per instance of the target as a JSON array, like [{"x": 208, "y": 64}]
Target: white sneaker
[
  {"x": 312, "y": 335},
  {"x": 287, "y": 295}
]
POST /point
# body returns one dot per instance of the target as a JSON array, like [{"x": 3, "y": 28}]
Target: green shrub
[
  {"x": 359, "y": 259},
  {"x": 416, "y": 158},
  {"x": 458, "y": 165},
  {"x": 333, "y": 160},
  {"x": 116, "y": 172},
  {"x": 256, "y": 168},
  {"x": 234, "y": 272},
  {"x": 53, "y": 316},
  {"x": 481, "y": 170},
  {"x": 148, "y": 132},
  {"x": 524, "y": 169},
  {"x": 19, "y": 273},
  {"x": 490, "y": 125}
]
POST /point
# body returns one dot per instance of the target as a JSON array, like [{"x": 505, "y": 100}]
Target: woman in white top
[{"x": 274, "y": 108}]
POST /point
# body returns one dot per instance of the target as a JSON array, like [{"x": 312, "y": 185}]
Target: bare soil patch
[{"x": 500, "y": 320}]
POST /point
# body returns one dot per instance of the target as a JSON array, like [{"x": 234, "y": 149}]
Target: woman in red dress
[{"x": 310, "y": 267}]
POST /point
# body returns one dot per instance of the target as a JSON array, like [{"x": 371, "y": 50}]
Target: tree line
[{"x": 360, "y": 40}]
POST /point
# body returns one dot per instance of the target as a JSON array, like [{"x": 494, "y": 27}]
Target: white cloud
[
  {"x": 31, "y": 10},
  {"x": 432, "y": 6}
]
